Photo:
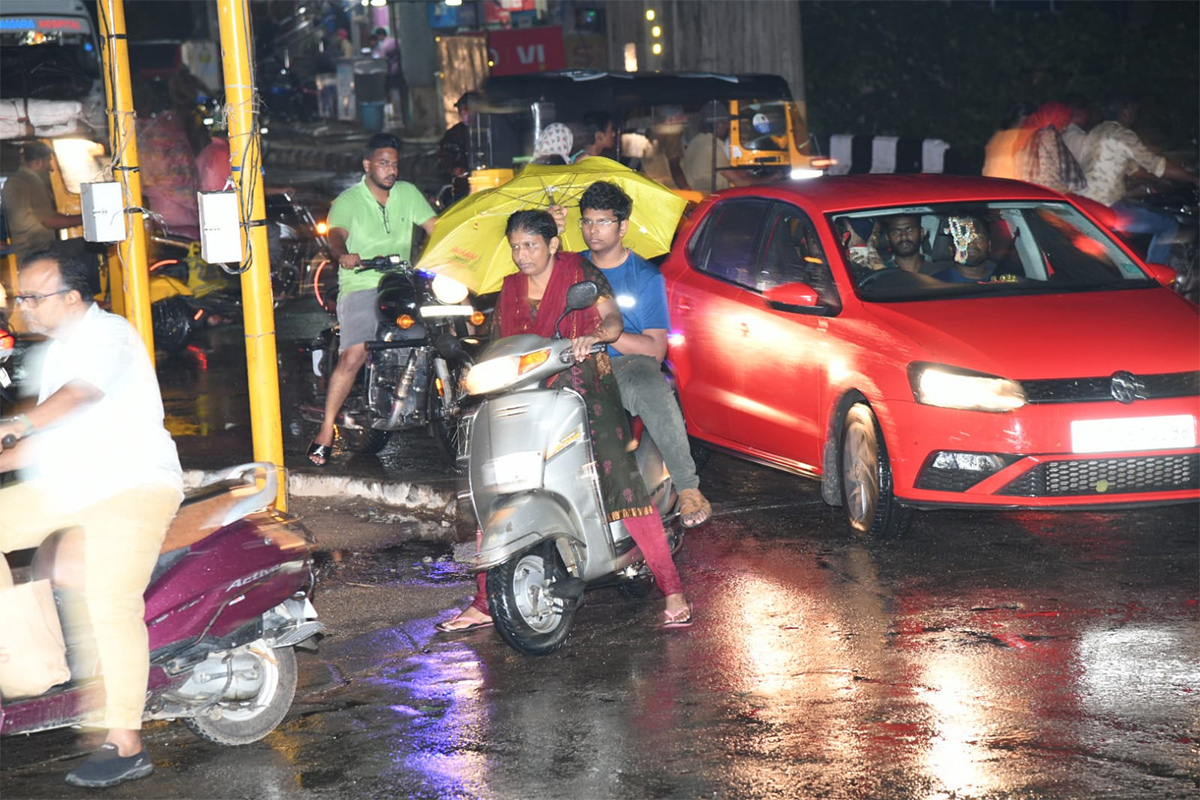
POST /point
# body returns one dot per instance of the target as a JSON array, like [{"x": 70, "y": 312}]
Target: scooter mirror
[{"x": 582, "y": 295}]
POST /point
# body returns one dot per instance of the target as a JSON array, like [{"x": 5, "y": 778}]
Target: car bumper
[{"x": 1036, "y": 456}]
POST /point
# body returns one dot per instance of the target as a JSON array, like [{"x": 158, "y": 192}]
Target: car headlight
[
  {"x": 949, "y": 387},
  {"x": 448, "y": 291}
]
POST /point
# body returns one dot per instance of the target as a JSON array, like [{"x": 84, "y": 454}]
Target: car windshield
[{"x": 959, "y": 250}]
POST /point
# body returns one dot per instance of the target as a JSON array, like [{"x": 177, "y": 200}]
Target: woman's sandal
[
  {"x": 694, "y": 508},
  {"x": 678, "y": 619},
  {"x": 458, "y": 625},
  {"x": 319, "y": 451}
]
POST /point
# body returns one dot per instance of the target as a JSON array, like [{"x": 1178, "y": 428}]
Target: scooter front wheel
[{"x": 523, "y": 608}]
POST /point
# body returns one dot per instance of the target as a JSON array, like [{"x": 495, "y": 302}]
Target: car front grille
[
  {"x": 1106, "y": 476},
  {"x": 1091, "y": 390}
]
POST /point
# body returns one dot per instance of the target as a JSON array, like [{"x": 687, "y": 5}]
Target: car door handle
[{"x": 684, "y": 306}]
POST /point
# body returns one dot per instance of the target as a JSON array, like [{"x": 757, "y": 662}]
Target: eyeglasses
[
  {"x": 602, "y": 224},
  {"x": 34, "y": 300}
]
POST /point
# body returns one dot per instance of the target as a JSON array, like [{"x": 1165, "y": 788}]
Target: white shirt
[{"x": 118, "y": 443}]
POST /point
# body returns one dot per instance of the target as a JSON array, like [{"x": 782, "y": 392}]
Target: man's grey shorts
[{"x": 356, "y": 318}]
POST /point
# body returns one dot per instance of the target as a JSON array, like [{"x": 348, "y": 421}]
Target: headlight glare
[
  {"x": 488, "y": 376},
  {"x": 448, "y": 291},
  {"x": 947, "y": 387}
]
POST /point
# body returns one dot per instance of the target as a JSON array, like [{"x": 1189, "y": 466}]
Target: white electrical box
[
  {"x": 220, "y": 228},
  {"x": 103, "y": 211}
]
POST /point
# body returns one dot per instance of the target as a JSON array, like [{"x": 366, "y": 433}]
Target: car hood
[{"x": 1024, "y": 337}]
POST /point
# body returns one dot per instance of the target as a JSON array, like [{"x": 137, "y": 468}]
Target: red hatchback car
[{"x": 925, "y": 341}]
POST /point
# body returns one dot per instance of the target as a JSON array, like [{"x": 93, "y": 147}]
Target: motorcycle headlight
[
  {"x": 949, "y": 387},
  {"x": 448, "y": 291}
]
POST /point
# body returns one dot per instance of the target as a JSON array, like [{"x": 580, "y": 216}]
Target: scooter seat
[{"x": 202, "y": 513}]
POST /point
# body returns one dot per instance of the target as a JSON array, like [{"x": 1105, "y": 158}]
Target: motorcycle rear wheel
[
  {"x": 363, "y": 440},
  {"x": 526, "y": 616},
  {"x": 172, "y": 324},
  {"x": 238, "y": 723}
]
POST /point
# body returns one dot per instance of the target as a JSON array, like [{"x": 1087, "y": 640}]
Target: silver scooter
[{"x": 533, "y": 482}]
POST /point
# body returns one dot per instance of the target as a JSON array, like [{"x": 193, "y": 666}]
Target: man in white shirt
[{"x": 95, "y": 455}]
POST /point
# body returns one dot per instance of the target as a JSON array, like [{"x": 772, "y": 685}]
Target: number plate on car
[{"x": 1144, "y": 433}]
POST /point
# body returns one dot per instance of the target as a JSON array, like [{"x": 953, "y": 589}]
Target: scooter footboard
[{"x": 520, "y": 522}]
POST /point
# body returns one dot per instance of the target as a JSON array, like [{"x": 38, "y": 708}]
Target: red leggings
[{"x": 650, "y": 537}]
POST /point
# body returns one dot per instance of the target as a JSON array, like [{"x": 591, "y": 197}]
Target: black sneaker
[{"x": 106, "y": 767}]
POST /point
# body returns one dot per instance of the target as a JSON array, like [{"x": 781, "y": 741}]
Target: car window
[
  {"x": 729, "y": 244},
  {"x": 793, "y": 254},
  {"x": 977, "y": 248}
]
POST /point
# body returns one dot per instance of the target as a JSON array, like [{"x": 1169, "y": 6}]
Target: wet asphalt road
[
  {"x": 1018, "y": 655},
  {"x": 983, "y": 656}
]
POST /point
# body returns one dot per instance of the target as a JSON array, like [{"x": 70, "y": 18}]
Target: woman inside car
[{"x": 530, "y": 301}]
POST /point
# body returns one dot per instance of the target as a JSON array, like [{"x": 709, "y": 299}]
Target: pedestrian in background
[
  {"x": 1042, "y": 157},
  {"x": 1000, "y": 152}
]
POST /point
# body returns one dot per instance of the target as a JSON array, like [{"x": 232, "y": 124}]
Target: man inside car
[
  {"x": 905, "y": 235},
  {"x": 972, "y": 252}
]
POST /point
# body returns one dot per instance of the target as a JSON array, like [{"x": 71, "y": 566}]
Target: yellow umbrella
[{"x": 468, "y": 241}]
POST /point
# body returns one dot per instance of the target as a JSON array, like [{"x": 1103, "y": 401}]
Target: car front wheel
[{"x": 867, "y": 498}]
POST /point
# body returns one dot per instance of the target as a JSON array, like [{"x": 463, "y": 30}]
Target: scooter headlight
[{"x": 500, "y": 373}]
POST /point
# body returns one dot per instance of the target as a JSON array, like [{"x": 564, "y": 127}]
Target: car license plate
[{"x": 1144, "y": 433}]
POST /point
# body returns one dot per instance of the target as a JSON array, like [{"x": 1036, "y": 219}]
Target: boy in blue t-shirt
[{"x": 637, "y": 356}]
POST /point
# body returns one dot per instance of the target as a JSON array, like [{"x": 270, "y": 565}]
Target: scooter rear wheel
[
  {"x": 525, "y": 613},
  {"x": 235, "y": 723}
]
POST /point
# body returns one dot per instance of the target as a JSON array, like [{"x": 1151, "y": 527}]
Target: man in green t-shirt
[{"x": 372, "y": 218}]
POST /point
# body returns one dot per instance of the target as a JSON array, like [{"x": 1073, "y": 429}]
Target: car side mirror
[
  {"x": 789, "y": 296},
  {"x": 1162, "y": 273}
]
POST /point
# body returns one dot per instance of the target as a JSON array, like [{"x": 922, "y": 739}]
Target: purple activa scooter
[{"x": 226, "y": 605}]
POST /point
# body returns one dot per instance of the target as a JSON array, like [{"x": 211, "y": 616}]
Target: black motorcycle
[{"x": 406, "y": 382}]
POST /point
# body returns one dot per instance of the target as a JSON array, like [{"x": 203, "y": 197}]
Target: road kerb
[{"x": 397, "y": 494}]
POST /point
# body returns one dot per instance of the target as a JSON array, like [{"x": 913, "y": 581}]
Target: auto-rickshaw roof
[{"x": 575, "y": 92}]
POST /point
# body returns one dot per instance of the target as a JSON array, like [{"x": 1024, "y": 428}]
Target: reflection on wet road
[{"x": 1019, "y": 655}]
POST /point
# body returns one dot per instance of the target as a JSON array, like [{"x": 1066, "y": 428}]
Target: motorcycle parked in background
[
  {"x": 533, "y": 483},
  {"x": 187, "y": 292},
  {"x": 227, "y": 603},
  {"x": 406, "y": 383}
]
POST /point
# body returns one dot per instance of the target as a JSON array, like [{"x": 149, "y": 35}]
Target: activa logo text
[{"x": 253, "y": 577}]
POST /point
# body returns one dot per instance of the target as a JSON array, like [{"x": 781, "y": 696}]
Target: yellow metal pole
[
  {"x": 128, "y": 272},
  {"x": 245, "y": 156}
]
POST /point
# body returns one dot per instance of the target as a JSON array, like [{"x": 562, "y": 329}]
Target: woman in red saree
[{"x": 530, "y": 301}]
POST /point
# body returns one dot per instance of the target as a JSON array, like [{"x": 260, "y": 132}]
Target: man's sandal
[
  {"x": 694, "y": 508},
  {"x": 321, "y": 452}
]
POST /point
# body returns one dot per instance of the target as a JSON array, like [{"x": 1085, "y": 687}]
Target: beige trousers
[{"x": 122, "y": 536}]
